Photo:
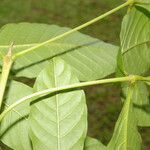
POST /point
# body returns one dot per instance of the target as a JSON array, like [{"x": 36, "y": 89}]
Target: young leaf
[
  {"x": 58, "y": 122},
  {"x": 126, "y": 136},
  {"x": 93, "y": 144},
  {"x": 135, "y": 42},
  {"x": 14, "y": 127},
  {"x": 89, "y": 57}
]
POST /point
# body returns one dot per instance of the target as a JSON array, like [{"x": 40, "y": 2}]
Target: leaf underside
[
  {"x": 135, "y": 58},
  {"x": 93, "y": 144},
  {"x": 58, "y": 122},
  {"x": 144, "y": 4},
  {"x": 89, "y": 57},
  {"x": 125, "y": 136},
  {"x": 14, "y": 127},
  {"x": 135, "y": 42},
  {"x": 141, "y": 103}
]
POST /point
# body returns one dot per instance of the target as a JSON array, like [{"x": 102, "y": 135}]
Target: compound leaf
[
  {"x": 58, "y": 122},
  {"x": 14, "y": 126}
]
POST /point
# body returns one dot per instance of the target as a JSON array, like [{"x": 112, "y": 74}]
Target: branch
[
  {"x": 132, "y": 79},
  {"x": 73, "y": 30},
  {"x": 7, "y": 63}
]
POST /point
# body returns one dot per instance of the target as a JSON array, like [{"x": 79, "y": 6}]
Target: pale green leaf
[
  {"x": 93, "y": 144},
  {"x": 14, "y": 127},
  {"x": 4, "y": 147},
  {"x": 89, "y": 57},
  {"x": 126, "y": 136},
  {"x": 148, "y": 83},
  {"x": 135, "y": 49},
  {"x": 144, "y": 4},
  {"x": 141, "y": 103},
  {"x": 58, "y": 122},
  {"x": 135, "y": 42}
]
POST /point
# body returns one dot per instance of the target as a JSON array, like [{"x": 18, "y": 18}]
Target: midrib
[
  {"x": 35, "y": 44},
  {"x": 57, "y": 109},
  {"x": 128, "y": 104},
  {"x": 132, "y": 47}
]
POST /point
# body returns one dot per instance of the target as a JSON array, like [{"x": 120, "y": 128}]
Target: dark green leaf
[{"x": 144, "y": 4}]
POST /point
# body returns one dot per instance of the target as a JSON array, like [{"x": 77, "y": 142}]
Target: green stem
[
  {"x": 128, "y": 101},
  {"x": 57, "y": 90},
  {"x": 73, "y": 30},
  {"x": 7, "y": 63}
]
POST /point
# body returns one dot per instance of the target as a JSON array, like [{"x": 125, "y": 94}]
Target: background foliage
[{"x": 104, "y": 100}]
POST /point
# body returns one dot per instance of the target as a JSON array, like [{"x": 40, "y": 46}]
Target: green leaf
[
  {"x": 144, "y": 4},
  {"x": 126, "y": 136},
  {"x": 120, "y": 70},
  {"x": 4, "y": 147},
  {"x": 58, "y": 122},
  {"x": 89, "y": 57},
  {"x": 135, "y": 42},
  {"x": 93, "y": 144},
  {"x": 141, "y": 103},
  {"x": 14, "y": 127},
  {"x": 135, "y": 49},
  {"x": 148, "y": 83}
]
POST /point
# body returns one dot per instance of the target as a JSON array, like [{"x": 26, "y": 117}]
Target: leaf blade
[
  {"x": 74, "y": 49},
  {"x": 125, "y": 126},
  {"x": 93, "y": 144},
  {"x": 141, "y": 103},
  {"x": 135, "y": 54},
  {"x": 135, "y": 42},
  {"x": 62, "y": 117},
  {"x": 15, "y": 124},
  {"x": 144, "y": 4}
]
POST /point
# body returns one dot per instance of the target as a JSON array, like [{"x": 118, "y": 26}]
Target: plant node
[
  {"x": 134, "y": 78},
  {"x": 8, "y": 56}
]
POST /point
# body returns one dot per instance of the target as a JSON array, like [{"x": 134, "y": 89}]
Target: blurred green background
[{"x": 103, "y": 102}]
